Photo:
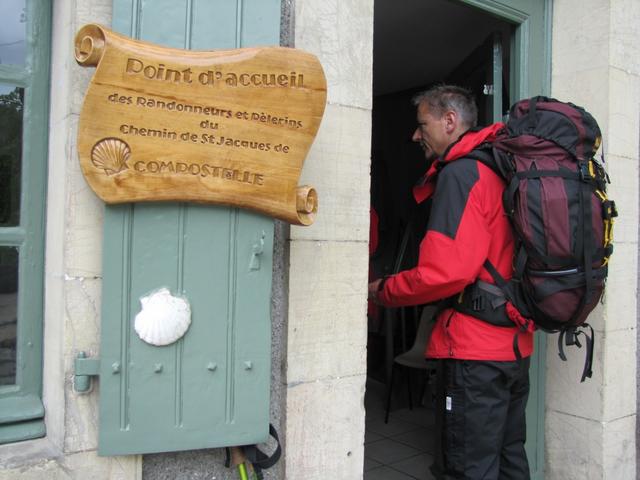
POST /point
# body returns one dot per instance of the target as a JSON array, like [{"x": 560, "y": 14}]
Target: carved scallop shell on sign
[
  {"x": 111, "y": 155},
  {"x": 163, "y": 319}
]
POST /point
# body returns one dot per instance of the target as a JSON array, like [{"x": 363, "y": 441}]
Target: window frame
[{"x": 21, "y": 407}]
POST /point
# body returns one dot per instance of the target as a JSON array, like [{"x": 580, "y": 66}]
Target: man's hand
[{"x": 373, "y": 290}]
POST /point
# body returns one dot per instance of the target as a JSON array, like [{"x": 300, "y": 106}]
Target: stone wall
[
  {"x": 327, "y": 330},
  {"x": 72, "y": 281},
  {"x": 320, "y": 275},
  {"x": 324, "y": 385},
  {"x": 590, "y": 426}
]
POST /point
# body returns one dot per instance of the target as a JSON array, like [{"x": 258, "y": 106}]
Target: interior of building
[{"x": 417, "y": 44}]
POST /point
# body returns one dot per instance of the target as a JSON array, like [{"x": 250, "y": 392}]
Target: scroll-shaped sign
[{"x": 224, "y": 126}]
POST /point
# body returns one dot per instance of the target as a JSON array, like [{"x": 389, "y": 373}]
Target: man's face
[{"x": 431, "y": 133}]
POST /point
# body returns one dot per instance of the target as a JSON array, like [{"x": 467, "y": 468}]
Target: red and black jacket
[{"x": 467, "y": 226}]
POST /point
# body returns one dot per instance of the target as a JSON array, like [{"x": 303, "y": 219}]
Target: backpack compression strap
[
  {"x": 517, "y": 319},
  {"x": 570, "y": 336}
]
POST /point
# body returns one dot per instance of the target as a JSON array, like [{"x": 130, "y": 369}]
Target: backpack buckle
[
  {"x": 583, "y": 171},
  {"x": 477, "y": 303}
]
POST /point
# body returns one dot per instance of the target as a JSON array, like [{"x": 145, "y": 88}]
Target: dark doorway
[{"x": 417, "y": 43}]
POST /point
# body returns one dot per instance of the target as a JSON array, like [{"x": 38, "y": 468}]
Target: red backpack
[{"x": 557, "y": 203}]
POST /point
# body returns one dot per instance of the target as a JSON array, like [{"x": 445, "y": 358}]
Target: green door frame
[
  {"x": 527, "y": 78},
  {"x": 521, "y": 51}
]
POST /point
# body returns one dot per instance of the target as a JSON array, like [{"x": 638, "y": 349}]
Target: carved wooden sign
[{"x": 226, "y": 126}]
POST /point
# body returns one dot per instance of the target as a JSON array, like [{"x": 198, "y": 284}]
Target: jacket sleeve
[{"x": 455, "y": 246}]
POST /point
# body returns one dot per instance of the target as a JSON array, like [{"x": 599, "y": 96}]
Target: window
[{"x": 24, "y": 84}]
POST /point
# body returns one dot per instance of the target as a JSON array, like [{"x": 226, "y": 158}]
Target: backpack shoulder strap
[
  {"x": 494, "y": 159},
  {"x": 484, "y": 155}
]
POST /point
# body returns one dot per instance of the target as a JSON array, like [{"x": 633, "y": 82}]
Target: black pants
[{"x": 481, "y": 420}]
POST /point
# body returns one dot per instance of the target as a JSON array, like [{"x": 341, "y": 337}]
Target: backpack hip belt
[{"x": 484, "y": 301}]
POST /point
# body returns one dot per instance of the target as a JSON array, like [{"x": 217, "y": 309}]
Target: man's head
[{"x": 444, "y": 113}]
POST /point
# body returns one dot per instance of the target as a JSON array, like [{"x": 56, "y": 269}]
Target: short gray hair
[{"x": 443, "y": 98}]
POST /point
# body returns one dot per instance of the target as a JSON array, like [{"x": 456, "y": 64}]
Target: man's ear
[{"x": 450, "y": 121}]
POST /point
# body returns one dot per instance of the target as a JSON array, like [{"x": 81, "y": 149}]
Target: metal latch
[
  {"x": 84, "y": 369},
  {"x": 256, "y": 251},
  {"x": 487, "y": 89}
]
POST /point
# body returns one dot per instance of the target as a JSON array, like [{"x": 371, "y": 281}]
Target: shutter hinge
[{"x": 84, "y": 369}]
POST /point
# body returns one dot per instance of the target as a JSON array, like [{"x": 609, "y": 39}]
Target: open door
[
  {"x": 482, "y": 72},
  {"x": 499, "y": 50}
]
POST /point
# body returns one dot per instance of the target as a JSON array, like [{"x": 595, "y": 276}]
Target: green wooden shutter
[
  {"x": 211, "y": 387},
  {"x": 21, "y": 408}
]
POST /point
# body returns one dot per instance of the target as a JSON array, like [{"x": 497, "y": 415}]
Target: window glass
[
  {"x": 11, "y": 110},
  {"x": 8, "y": 313},
  {"x": 12, "y": 32}
]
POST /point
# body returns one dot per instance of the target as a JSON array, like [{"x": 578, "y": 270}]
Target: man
[{"x": 485, "y": 385}]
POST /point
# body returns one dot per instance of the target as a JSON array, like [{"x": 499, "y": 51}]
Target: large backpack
[{"x": 557, "y": 203}]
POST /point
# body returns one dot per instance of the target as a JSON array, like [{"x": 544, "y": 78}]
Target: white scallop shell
[
  {"x": 111, "y": 154},
  {"x": 163, "y": 318}
]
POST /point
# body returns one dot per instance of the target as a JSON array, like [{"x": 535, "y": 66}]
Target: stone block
[
  {"x": 587, "y": 89},
  {"x": 82, "y": 327},
  {"x": 61, "y": 137},
  {"x": 624, "y": 190},
  {"x": 597, "y": 318},
  {"x": 325, "y": 429},
  {"x": 27, "y": 454},
  {"x": 340, "y": 34},
  {"x": 327, "y": 326},
  {"x": 625, "y": 30},
  {"x": 573, "y": 448},
  {"x": 80, "y": 77},
  {"x": 599, "y": 398},
  {"x": 84, "y": 213},
  {"x": 620, "y": 448},
  {"x": 81, "y": 466},
  {"x": 88, "y": 465},
  {"x": 619, "y": 399},
  {"x": 53, "y": 372},
  {"x": 624, "y": 121},
  {"x": 94, "y": 11},
  {"x": 81, "y": 418},
  {"x": 82, "y": 333},
  {"x": 620, "y": 302},
  {"x": 580, "y": 36},
  {"x": 564, "y": 392},
  {"x": 338, "y": 166},
  {"x": 587, "y": 449}
]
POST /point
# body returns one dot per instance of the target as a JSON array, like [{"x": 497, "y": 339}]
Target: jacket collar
[{"x": 465, "y": 144}]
